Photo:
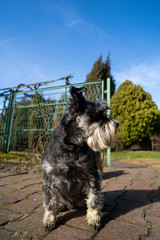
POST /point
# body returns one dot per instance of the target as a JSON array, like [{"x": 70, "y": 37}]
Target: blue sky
[{"x": 48, "y": 39}]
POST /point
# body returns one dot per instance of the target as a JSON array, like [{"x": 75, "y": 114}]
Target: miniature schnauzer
[{"x": 69, "y": 165}]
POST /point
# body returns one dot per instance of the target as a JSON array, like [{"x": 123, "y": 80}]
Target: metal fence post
[
  {"x": 102, "y": 97},
  {"x": 108, "y": 100},
  {"x": 9, "y": 123}
]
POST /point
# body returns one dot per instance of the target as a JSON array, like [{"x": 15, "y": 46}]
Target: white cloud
[
  {"x": 17, "y": 71},
  {"x": 73, "y": 23},
  {"x": 5, "y": 40},
  {"x": 145, "y": 74},
  {"x": 71, "y": 17}
]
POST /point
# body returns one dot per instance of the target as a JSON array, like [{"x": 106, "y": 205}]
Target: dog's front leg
[
  {"x": 94, "y": 209},
  {"x": 51, "y": 209}
]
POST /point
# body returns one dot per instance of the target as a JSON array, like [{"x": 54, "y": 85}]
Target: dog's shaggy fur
[{"x": 69, "y": 166}]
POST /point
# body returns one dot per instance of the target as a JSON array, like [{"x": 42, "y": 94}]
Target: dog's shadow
[
  {"x": 109, "y": 175},
  {"x": 116, "y": 203},
  {"x": 119, "y": 203}
]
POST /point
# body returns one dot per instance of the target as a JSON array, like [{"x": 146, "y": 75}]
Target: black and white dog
[{"x": 69, "y": 166}]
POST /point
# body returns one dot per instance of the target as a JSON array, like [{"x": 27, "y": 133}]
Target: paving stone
[
  {"x": 114, "y": 187},
  {"x": 125, "y": 179},
  {"x": 157, "y": 180},
  {"x": 6, "y": 199},
  {"x": 6, "y": 215},
  {"x": 2, "y": 174},
  {"x": 155, "y": 193},
  {"x": 127, "y": 191},
  {"x": 129, "y": 211},
  {"x": 116, "y": 230},
  {"x": 141, "y": 184},
  {"x": 5, "y": 235},
  {"x": 154, "y": 210},
  {"x": 6, "y": 181},
  {"x": 148, "y": 174},
  {"x": 155, "y": 231},
  {"x": 2, "y": 182},
  {"x": 125, "y": 165},
  {"x": 5, "y": 189},
  {"x": 32, "y": 225},
  {"x": 155, "y": 221},
  {"x": 153, "y": 237},
  {"x": 110, "y": 173},
  {"x": 106, "y": 208},
  {"x": 79, "y": 220},
  {"x": 14, "y": 178},
  {"x": 22, "y": 193},
  {"x": 35, "y": 176},
  {"x": 23, "y": 184},
  {"x": 115, "y": 176},
  {"x": 109, "y": 198},
  {"x": 137, "y": 196},
  {"x": 27, "y": 205},
  {"x": 68, "y": 233}
]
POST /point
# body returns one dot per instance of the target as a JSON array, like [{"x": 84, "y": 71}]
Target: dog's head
[{"x": 97, "y": 130}]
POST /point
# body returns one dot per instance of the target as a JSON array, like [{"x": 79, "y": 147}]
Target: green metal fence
[{"x": 27, "y": 118}]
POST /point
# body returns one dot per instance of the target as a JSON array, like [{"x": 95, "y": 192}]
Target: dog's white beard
[
  {"x": 98, "y": 137},
  {"x": 101, "y": 137}
]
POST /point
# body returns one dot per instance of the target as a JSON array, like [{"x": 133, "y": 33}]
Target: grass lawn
[
  {"x": 9, "y": 156},
  {"x": 145, "y": 158},
  {"x": 15, "y": 159},
  {"x": 129, "y": 155}
]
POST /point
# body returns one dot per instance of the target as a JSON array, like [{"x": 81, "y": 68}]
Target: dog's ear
[
  {"x": 77, "y": 100},
  {"x": 77, "y": 92}
]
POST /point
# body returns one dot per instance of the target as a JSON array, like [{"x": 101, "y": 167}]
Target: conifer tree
[
  {"x": 137, "y": 114},
  {"x": 101, "y": 71}
]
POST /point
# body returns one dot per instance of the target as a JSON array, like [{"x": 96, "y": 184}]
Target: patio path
[{"x": 131, "y": 207}]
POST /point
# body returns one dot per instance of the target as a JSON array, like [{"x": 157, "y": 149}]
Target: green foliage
[
  {"x": 2, "y": 124},
  {"x": 101, "y": 71},
  {"x": 60, "y": 109},
  {"x": 138, "y": 115},
  {"x": 33, "y": 122},
  {"x": 136, "y": 155}
]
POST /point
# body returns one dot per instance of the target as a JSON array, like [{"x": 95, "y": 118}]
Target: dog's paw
[
  {"x": 49, "y": 220},
  {"x": 94, "y": 219},
  {"x": 95, "y": 226},
  {"x": 49, "y": 226}
]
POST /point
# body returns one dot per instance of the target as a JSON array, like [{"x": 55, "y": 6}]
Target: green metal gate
[{"x": 28, "y": 117}]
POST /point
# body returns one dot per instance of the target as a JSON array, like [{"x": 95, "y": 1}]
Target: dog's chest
[{"x": 75, "y": 179}]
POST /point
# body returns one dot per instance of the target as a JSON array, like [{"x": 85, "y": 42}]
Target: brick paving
[{"x": 131, "y": 209}]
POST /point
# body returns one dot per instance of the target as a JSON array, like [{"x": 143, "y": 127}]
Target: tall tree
[
  {"x": 138, "y": 115},
  {"x": 101, "y": 71}
]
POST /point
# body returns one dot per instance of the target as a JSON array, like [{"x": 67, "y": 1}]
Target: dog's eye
[
  {"x": 102, "y": 105},
  {"x": 90, "y": 105}
]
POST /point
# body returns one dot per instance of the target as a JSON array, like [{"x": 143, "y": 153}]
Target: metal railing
[{"x": 28, "y": 117}]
